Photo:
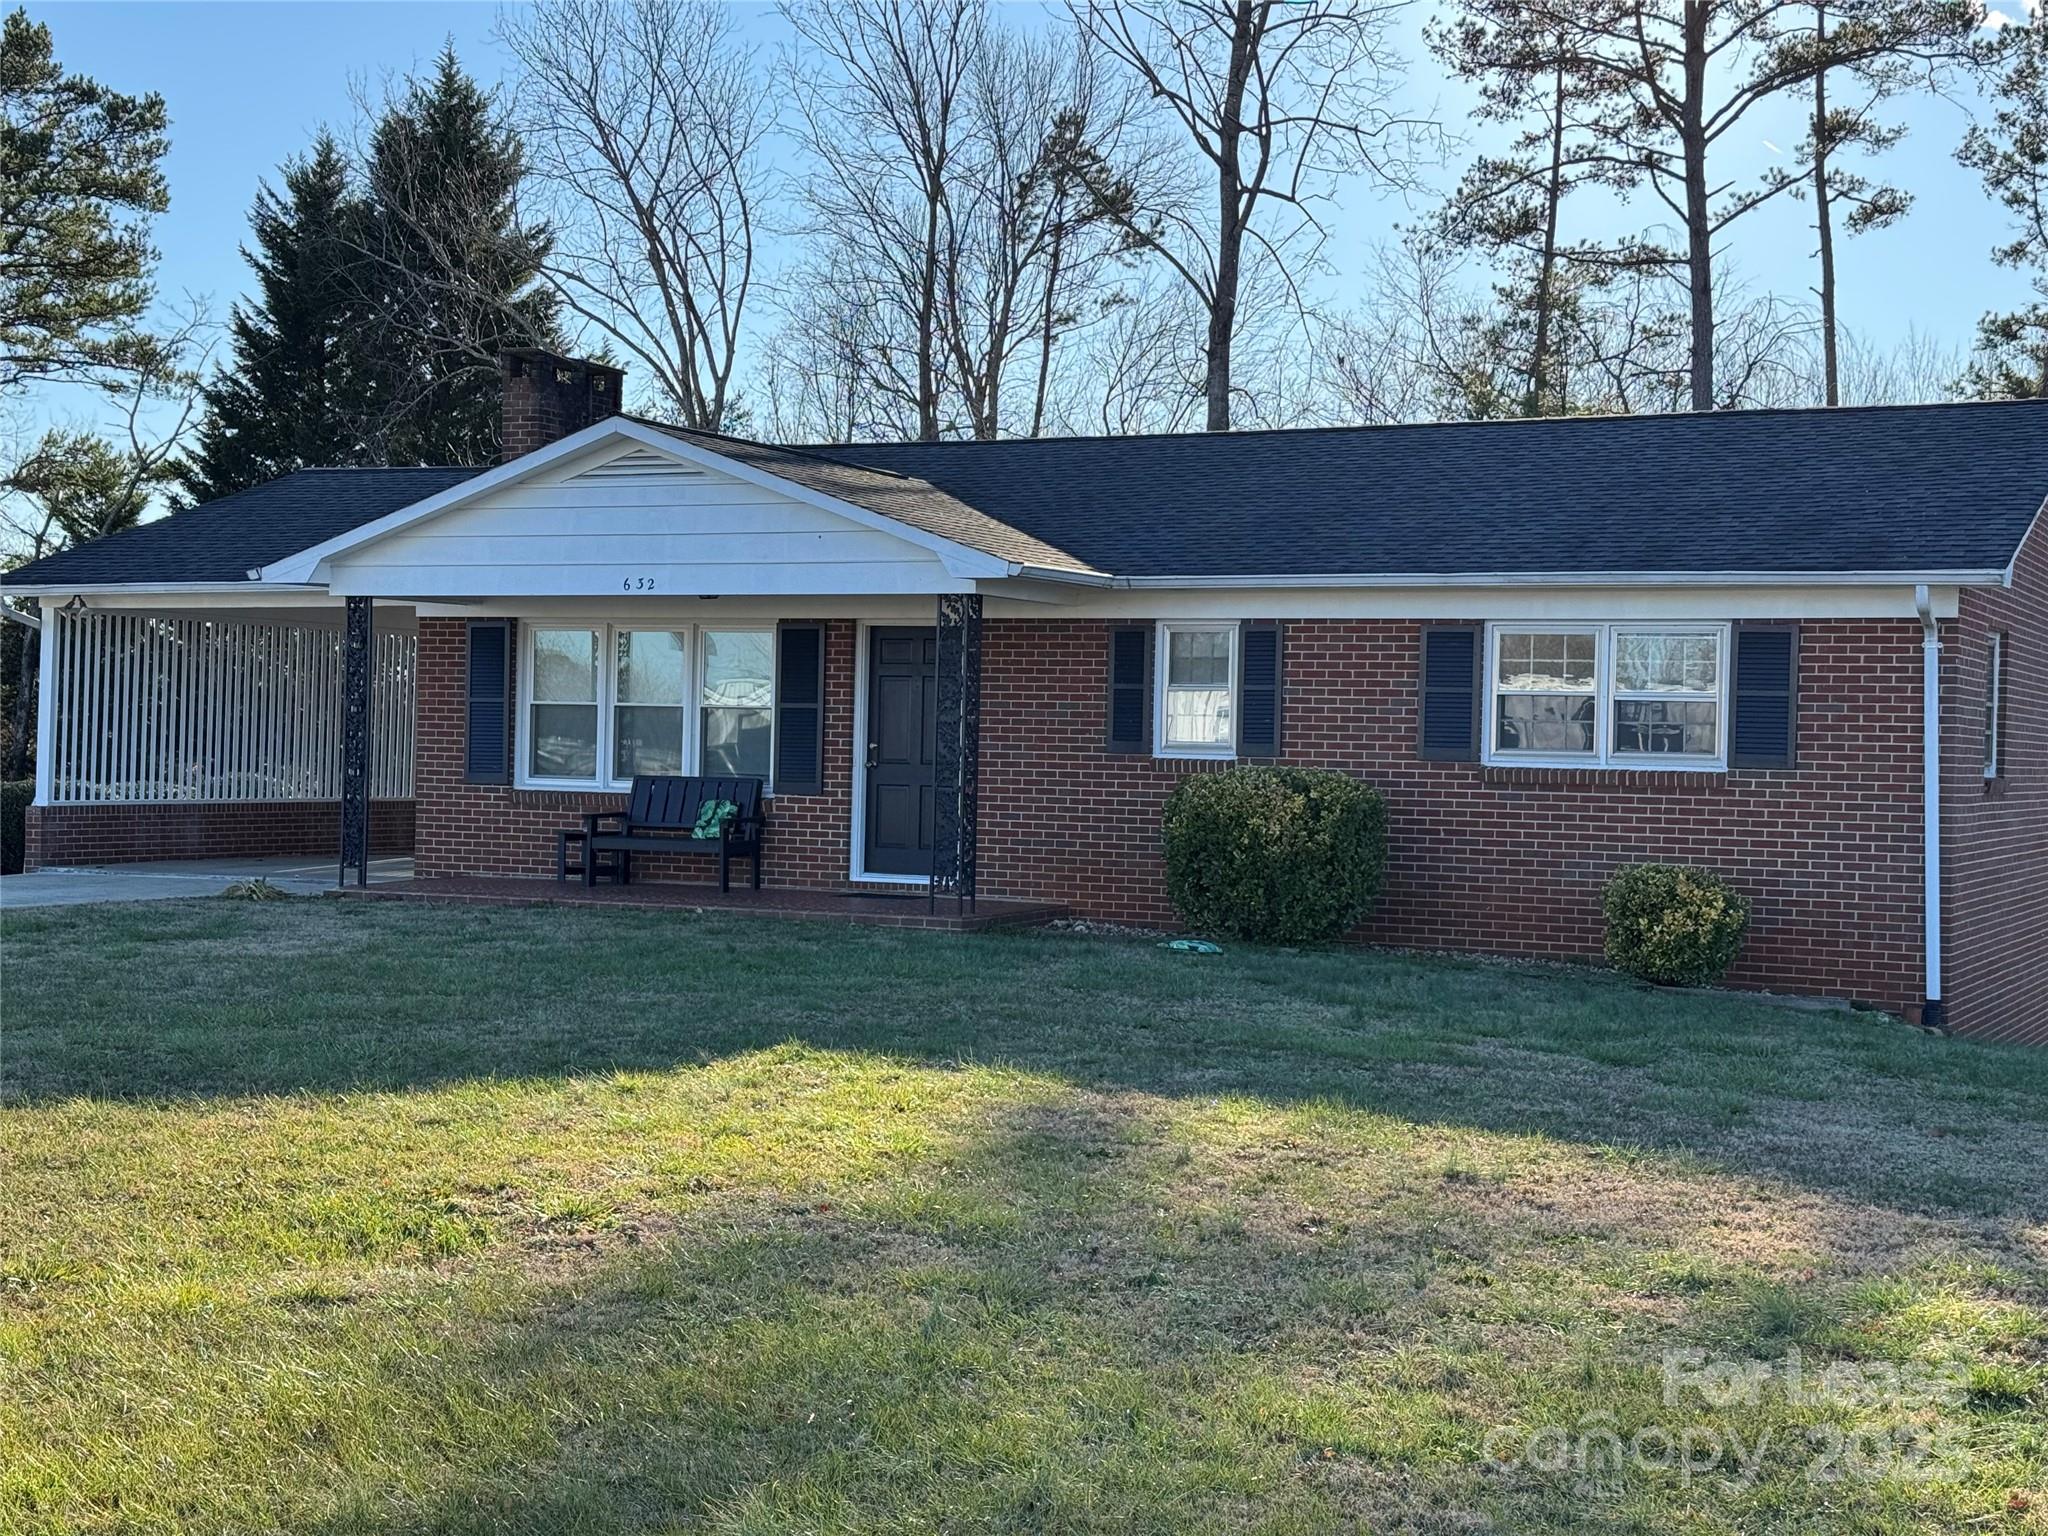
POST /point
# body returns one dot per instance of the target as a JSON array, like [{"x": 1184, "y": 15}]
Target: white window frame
[
  {"x": 692, "y": 705},
  {"x": 1160, "y": 654},
  {"x": 1994, "y": 699},
  {"x": 1604, "y": 757}
]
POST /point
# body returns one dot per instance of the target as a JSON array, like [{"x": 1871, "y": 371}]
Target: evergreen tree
[
  {"x": 453, "y": 274},
  {"x": 293, "y": 394},
  {"x": 80, "y": 182},
  {"x": 2011, "y": 153}
]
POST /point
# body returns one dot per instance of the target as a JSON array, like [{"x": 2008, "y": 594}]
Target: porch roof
[{"x": 221, "y": 542}]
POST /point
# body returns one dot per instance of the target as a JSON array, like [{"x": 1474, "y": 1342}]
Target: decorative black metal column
[
  {"x": 956, "y": 757},
  {"x": 355, "y": 742}
]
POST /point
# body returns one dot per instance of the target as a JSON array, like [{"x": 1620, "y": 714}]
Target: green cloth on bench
[{"x": 712, "y": 818}]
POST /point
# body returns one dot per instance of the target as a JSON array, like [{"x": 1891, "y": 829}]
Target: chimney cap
[{"x": 541, "y": 357}]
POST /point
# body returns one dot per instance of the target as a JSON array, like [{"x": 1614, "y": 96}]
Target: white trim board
[
  {"x": 857, "y": 822},
  {"x": 1592, "y": 604}
]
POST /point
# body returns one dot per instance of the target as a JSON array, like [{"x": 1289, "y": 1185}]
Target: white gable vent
[{"x": 641, "y": 465}]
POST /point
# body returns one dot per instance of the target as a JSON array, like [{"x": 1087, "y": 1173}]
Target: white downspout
[{"x": 1932, "y": 1013}]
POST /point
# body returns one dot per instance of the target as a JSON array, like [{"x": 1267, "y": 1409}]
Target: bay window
[
  {"x": 603, "y": 703},
  {"x": 1613, "y": 695},
  {"x": 1198, "y": 680}
]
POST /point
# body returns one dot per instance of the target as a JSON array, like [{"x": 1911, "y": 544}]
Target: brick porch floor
[{"x": 909, "y": 910}]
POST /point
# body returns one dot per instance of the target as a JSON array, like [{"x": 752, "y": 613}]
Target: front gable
[{"x": 623, "y": 509}]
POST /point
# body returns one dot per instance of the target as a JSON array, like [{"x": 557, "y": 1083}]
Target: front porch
[{"x": 908, "y": 909}]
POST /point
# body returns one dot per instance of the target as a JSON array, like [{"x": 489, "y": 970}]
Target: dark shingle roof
[
  {"x": 1886, "y": 488},
  {"x": 896, "y": 494},
  {"x": 1891, "y": 489},
  {"x": 224, "y": 540}
]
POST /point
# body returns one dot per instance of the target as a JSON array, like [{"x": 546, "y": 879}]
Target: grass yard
[{"x": 339, "y": 1217}]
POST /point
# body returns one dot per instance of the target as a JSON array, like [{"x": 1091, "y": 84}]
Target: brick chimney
[{"x": 548, "y": 397}]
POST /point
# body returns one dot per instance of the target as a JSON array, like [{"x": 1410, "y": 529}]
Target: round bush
[
  {"x": 1278, "y": 855},
  {"x": 1676, "y": 926}
]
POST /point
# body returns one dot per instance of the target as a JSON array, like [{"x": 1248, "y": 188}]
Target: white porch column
[{"x": 46, "y": 701}]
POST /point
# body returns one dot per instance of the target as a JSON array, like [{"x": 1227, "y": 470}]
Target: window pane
[
  {"x": 565, "y": 666},
  {"x": 739, "y": 670},
  {"x": 736, "y": 742},
  {"x": 1660, "y": 725},
  {"x": 1550, "y": 663},
  {"x": 1198, "y": 717},
  {"x": 646, "y": 738},
  {"x": 564, "y": 741},
  {"x": 650, "y": 663},
  {"x": 1535, "y": 722},
  {"x": 1993, "y": 681},
  {"x": 1198, "y": 658},
  {"x": 1676, "y": 663}
]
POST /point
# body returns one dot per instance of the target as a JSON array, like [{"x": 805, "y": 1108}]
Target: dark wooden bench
[{"x": 661, "y": 816}]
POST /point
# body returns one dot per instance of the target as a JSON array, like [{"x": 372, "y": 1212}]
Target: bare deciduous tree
[
  {"x": 1276, "y": 99},
  {"x": 879, "y": 87},
  {"x": 643, "y": 123},
  {"x": 1029, "y": 216}
]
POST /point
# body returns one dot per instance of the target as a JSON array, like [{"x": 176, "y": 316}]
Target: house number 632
[{"x": 637, "y": 584}]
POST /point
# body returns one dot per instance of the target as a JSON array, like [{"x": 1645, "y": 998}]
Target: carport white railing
[{"x": 149, "y": 709}]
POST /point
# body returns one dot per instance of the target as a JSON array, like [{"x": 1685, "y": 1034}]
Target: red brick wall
[
  {"x": 1995, "y": 833},
  {"x": 120, "y": 834},
  {"x": 494, "y": 829},
  {"x": 1502, "y": 860}
]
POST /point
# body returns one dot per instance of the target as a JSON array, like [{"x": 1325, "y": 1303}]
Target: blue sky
[{"x": 248, "y": 85}]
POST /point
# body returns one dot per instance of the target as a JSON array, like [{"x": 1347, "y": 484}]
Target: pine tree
[
  {"x": 293, "y": 394},
  {"x": 81, "y": 180},
  {"x": 2011, "y": 153},
  {"x": 453, "y": 275}
]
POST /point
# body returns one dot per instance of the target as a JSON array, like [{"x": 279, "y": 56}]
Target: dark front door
[{"x": 903, "y": 669}]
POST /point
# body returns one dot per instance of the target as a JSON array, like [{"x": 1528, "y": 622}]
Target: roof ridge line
[{"x": 1570, "y": 418}]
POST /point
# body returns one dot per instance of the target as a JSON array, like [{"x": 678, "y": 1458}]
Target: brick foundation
[
  {"x": 1506, "y": 861},
  {"x": 120, "y": 834}
]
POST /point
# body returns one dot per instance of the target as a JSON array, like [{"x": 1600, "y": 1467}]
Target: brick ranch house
[{"x": 1806, "y": 648}]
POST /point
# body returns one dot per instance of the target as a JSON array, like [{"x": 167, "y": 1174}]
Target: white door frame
[{"x": 856, "y": 857}]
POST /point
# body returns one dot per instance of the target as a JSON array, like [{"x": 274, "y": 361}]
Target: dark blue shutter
[
  {"x": 1130, "y": 689},
  {"x": 1449, "y": 693},
  {"x": 1258, "y": 689},
  {"x": 800, "y": 709},
  {"x": 1764, "y": 729},
  {"x": 487, "y": 746}
]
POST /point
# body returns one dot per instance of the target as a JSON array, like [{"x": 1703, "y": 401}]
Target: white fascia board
[
  {"x": 90, "y": 590},
  {"x": 310, "y": 564},
  {"x": 1587, "y": 579},
  {"x": 2033, "y": 527}
]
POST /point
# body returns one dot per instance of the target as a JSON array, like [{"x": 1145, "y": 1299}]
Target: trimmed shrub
[
  {"x": 1277, "y": 855},
  {"x": 15, "y": 795},
  {"x": 1673, "y": 925}
]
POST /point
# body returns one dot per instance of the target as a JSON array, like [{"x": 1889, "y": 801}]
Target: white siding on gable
[{"x": 638, "y": 523}]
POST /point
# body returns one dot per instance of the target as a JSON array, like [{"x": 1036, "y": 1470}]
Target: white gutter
[
  {"x": 159, "y": 588},
  {"x": 1932, "y": 1013},
  {"x": 1584, "y": 579}
]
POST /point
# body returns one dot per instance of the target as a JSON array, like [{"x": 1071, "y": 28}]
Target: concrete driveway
[{"x": 181, "y": 877}]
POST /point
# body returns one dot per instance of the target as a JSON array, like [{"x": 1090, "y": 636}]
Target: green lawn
[{"x": 341, "y": 1217}]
